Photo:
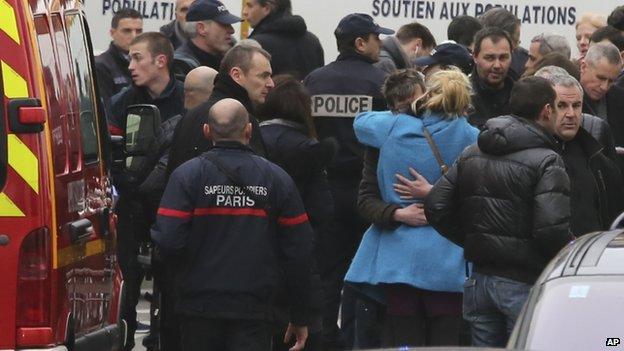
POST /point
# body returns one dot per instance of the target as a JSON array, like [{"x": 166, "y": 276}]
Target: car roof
[{"x": 598, "y": 253}]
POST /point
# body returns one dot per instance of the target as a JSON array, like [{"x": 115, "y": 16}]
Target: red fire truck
[{"x": 60, "y": 284}]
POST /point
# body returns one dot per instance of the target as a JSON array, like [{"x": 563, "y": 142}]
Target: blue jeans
[{"x": 491, "y": 305}]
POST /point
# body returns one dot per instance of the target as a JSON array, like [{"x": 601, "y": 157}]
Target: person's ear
[
  {"x": 248, "y": 130},
  {"x": 207, "y": 132},
  {"x": 583, "y": 66},
  {"x": 546, "y": 113},
  {"x": 417, "y": 43},
  {"x": 200, "y": 28},
  {"x": 360, "y": 43},
  {"x": 236, "y": 73},
  {"x": 161, "y": 61}
]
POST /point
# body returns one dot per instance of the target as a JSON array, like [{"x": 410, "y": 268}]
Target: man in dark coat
[
  {"x": 151, "y": 55},
  {"x": 245, "y": 75},
  {"x": 233, "y": 225},
  {"x": 340, "y": 90},
  {"x": 498, "y": 17},
  {"x": 490, "y": 79},
  {"x": 411, "y": 41},
  {"x": 595, "y": 181},
  {"x": 174, "y": 30},
  {"x": 506, "y": 202},
  {"x": 294, "y": 50},
  {"x": 209, "y": 25},
  {"x": 112, "y": 65},
  {"x": 603, "y": 98}
]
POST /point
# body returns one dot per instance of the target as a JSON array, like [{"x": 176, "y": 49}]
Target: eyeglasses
[{"x": 542, "y": 40}]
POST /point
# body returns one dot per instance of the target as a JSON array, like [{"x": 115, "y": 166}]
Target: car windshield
[{"x": 578, "y": 314}]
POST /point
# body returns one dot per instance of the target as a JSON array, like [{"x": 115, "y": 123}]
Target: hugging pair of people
[{"x": 402, "y": 261}]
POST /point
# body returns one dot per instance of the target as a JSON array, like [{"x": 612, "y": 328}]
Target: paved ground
[{"x": 143, "y": 309}]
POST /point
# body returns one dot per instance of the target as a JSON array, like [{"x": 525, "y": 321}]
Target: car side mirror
[
  {"x": 618, "y": 222},
  {"x": 142, "y": 123}
]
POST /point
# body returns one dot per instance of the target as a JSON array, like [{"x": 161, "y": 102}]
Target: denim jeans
[{"x": 491, "y": 305}]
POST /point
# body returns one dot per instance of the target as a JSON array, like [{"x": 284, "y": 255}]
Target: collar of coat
[
  {"x": 204, "y": 58},
  {"x": 352, "y": 55},
  {"x": 591, "y": 147},
  {"x": 232, "y": 144},
  {"x": 227, "y": 87},
  {"x": 393, "y": 48},
  {"x": 479, "y": 85}
]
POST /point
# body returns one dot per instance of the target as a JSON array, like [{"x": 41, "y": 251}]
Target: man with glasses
[{"x": 544, "y": 44}]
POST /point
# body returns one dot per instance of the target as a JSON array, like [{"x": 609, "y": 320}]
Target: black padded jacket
[{"x": 506, "y": 200}]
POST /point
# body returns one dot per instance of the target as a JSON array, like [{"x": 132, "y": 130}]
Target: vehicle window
[
  {"x": 53, "y": 90},
  {"x": 577, "y": 314},
  {"x": 69, "y": 129},
  {"x": 84, "y": 83}
]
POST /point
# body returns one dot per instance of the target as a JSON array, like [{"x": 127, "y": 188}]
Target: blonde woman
[
  {"x": 416, "y": 271},
  {"x": 585, "y": 27}
]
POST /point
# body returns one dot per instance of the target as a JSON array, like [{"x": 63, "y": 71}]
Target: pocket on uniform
[{"x": 469, "y": 303}]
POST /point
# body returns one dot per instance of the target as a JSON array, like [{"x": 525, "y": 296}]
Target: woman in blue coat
[{"x": 414, "y": 269}]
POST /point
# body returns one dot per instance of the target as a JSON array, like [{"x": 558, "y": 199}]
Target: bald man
[
  {"x": 198, "y": 86},
  {"x": 234, "y": 222}
]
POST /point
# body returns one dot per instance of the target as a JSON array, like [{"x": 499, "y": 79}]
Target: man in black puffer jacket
[
  {"x": 293, "y": 49},
  {"x": 506, "y": 202}
]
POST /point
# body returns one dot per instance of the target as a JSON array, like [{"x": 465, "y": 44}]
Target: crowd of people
[{"x": 408, "y": 193}]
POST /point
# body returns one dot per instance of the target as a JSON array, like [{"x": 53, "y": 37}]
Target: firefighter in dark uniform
[
  {"x": 112, "y": 65},
  {"x": 340, "y": 90},
  {"x": 233, "y": 223}
]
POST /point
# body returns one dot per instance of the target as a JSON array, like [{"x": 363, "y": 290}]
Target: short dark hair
[
  {"x": 277, "y": 6},
  {"x": 462, "y": 30},
  {"x": 157, "y": 44},
  {"x": 616, "y": 18},
  {"x": 495, "y": 34},
  {"x": 613, "y": 35},
  {"x": 241, "y": 56},
  {"x": 126, "y": 12},
  {"x": 290, "y": 100},
  {"x": 400, "y": 86},
  {"x": 500, "y": 18},
  {"x": 346, "y": 42},
  {"x": 529, "y": 95},
  {"x": 415, "y": 30}
]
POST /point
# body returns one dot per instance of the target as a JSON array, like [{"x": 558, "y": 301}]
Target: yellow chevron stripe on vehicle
[
  {"x": 8, "y": 208},
  {"x": 8, "y": 21},
  {"x": 75, "y": 253},
  {"x": 14, "y": 85},
  {"x": 23, "y": 161}
]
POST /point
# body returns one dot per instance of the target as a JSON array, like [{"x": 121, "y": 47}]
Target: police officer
[
  {"x": 233, "y": 222},
  {"x": 112, "y": 65},
  {"x": 340, "y": 90},
  {"x": 209, "y": 25}
]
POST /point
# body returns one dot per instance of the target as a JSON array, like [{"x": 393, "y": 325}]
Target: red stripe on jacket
[
  {"x": 174, "y": 213},
  {"x": 290, "y": 221},
  {"x": 226, "y": 211}
]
